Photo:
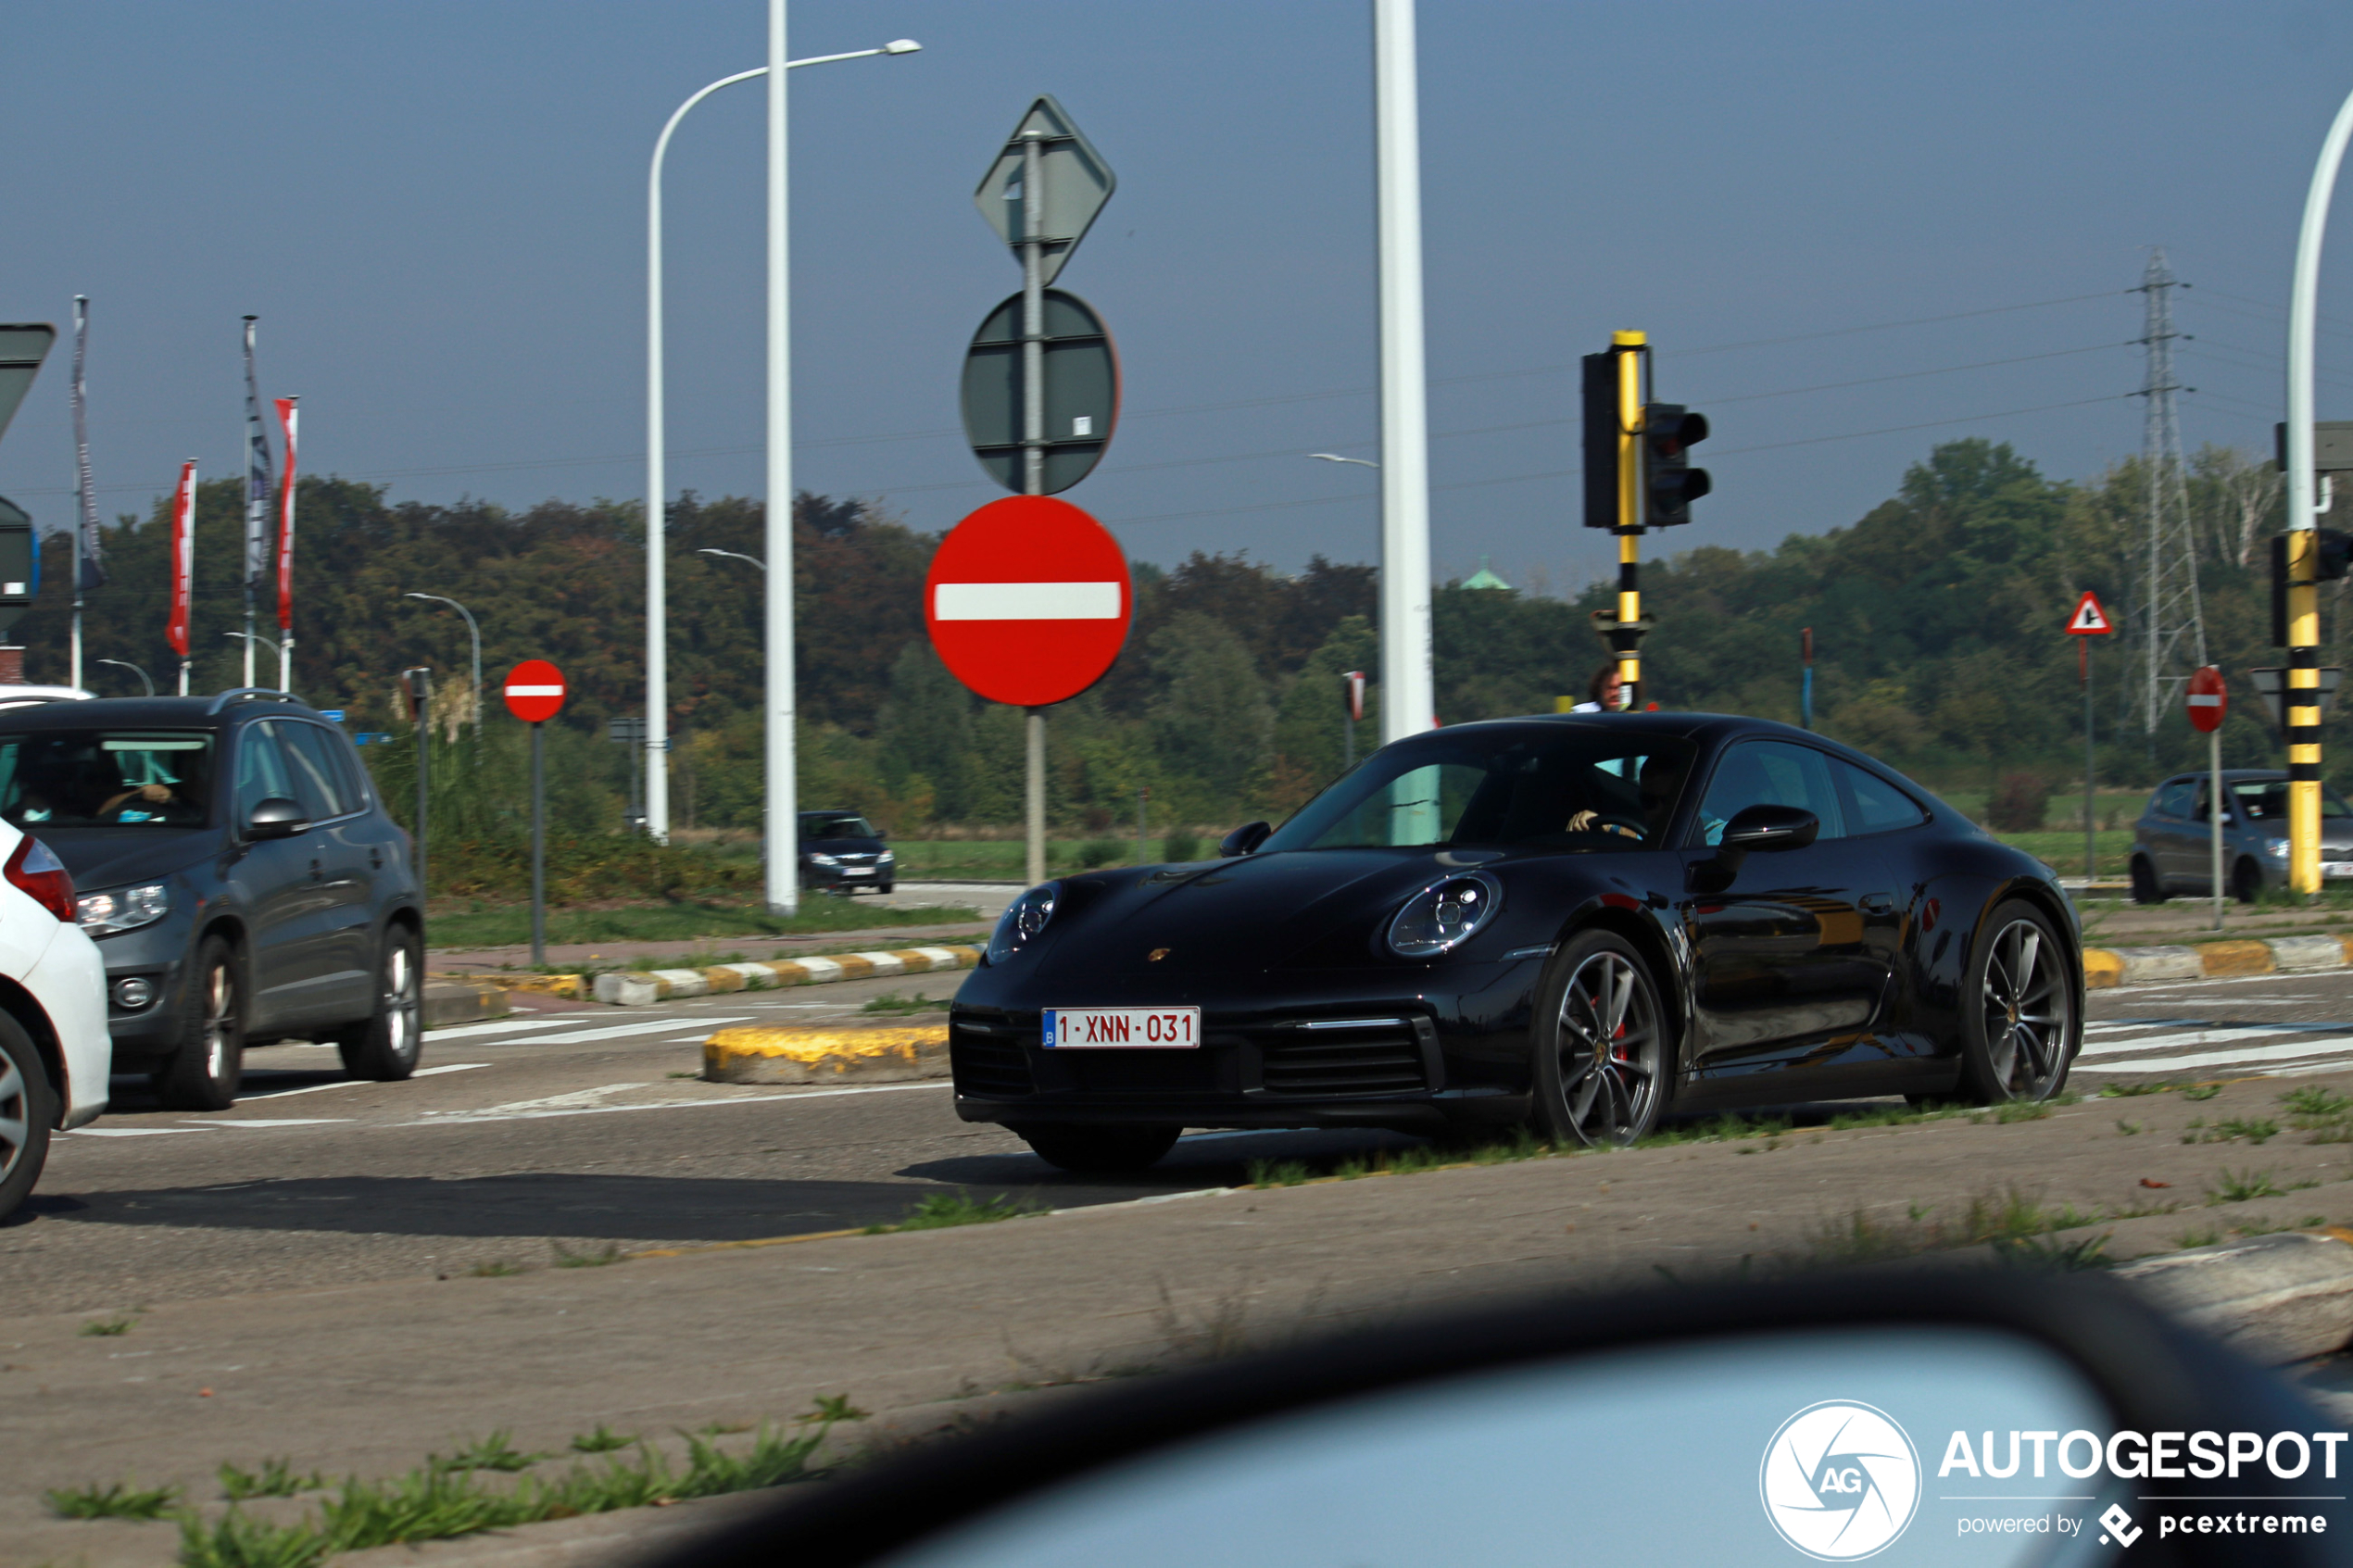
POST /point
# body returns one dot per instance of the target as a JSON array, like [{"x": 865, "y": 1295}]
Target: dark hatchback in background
[
  {"x": 2173, "y": 843},
  {"x": 241, "y": 878},
  {"x": 842, "y": 852}
]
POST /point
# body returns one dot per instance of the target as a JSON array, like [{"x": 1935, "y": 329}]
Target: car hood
[
  {"x": 841, "y": 846},
  {"x": 1249, "y": 913},
  {"x": 117, "y": 857}
]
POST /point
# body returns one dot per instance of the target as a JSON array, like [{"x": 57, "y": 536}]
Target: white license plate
[
  {"x": 857, "y": 870},
  {"x": 1160, "y": 1029}
]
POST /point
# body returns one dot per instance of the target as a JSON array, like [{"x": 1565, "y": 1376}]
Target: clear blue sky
[{"x": 437, "y": 210}]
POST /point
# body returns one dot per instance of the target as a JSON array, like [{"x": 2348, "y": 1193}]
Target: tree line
[{"x": 1935, "y": 619}]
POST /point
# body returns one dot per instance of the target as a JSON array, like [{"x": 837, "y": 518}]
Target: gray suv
[
  {"x": 241, "y": 878},
  {"x": 2172, "y": 845}
]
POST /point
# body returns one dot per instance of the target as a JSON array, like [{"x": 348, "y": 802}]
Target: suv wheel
[
  {"x": 2246, "y": 881},
  {"x": 27, "y": 1110},
  {"x": 203, "y": 1072},
  {"x": 2147, "y": 889},
  {"x": 387, "y": 1045}
]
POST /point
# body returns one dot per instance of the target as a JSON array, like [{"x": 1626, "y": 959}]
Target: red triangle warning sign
[{"x": 2088, "y": 619}]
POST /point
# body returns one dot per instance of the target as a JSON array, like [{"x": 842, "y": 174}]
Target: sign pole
[
  {"x": 1408, "y": 701},
  {"x": 2215, "y": 809},
  {"x": 782, "y": 871},
  {"x": 2083, "y": 668},
  {"x": 1144, "y": 798},
  {"x": 420, "y": 680},
  {"x": 1033, "y": 449},
  {"x": 539, "y": 844}
]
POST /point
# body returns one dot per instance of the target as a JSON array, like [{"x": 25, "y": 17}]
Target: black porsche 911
[{"x": 1579, "y": 923}]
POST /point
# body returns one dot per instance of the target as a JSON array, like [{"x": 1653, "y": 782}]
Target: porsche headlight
[
  {"x": 1445, "y": 915},
  {"x": 125, "y": 908},
  {"x": 1023, "y": 920}
]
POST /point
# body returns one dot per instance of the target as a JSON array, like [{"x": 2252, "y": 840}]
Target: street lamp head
[
  {"x": 1336, "y": 457},
  {"x": 901, "y": 47}
]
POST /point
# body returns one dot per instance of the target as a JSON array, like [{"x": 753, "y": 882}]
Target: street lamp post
[
  {"x": 475, "y": 632},
  {"x": 135, "y": 670},
  {"x": 657, "y": 740},
  {"x": 2302, "y": 712},
  {"x": 251, "y": 638},
  {"x": 1407, "y": 695}
]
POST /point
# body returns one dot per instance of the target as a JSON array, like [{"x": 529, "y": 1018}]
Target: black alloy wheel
[
  {"x": 2147, "y": 889},
  {"x": 2018, "y": 1021},
  {"x": 1602, "y": 1056},
  {"x": 2246, "y": 881},
  {"x": 203, "y": 1074},
  {"x": 388, "y": 1046},
  {"x": 27, "y": 1111},
  {"x": 1114, "y": 1149}
]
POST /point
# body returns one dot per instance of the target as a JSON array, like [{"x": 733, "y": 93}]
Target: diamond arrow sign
[{"x": 1074, "y": 182}]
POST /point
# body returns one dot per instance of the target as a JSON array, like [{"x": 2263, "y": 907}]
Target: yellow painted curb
[
  {"x": 2102, "y": 968},
  {"x": 821, "y": 1054},
  {"x": 2234, "y": 958},
  {"x": 573, "y": 987}
]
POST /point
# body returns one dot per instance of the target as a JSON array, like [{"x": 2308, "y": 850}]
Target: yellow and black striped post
[
  {"x": 1632, "y": 506},
  {"x": 2303, "y": 710}
]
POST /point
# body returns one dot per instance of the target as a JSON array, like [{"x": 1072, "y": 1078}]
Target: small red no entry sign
[
  {"x": 2209, "y": 699},
  {"x": 1028, "y": 601},
  {"x": 534, "y": 691}
]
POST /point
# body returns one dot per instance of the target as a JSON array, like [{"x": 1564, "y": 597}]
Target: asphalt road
[{"x": 584, "y": 1130}]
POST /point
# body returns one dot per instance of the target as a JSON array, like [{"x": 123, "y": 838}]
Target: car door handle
[
  {"x": 376, "y": 858},
  {"x": 1877, "y": 903},
  {"x": 314, "y": 870}
]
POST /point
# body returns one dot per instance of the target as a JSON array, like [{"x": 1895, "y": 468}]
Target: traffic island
[
  {"x": 871, "y": 1053},
  {"x": 637, "y": 988},
  {"x": 2103, "y": 967},
  {"x": 448, "y": 1001}
]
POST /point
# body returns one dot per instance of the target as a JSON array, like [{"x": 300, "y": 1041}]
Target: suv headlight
[
  {"x": 1023, "y": 920},
  {"x": 1445, "y": 915},
  {"x": 2277, "y": 848},
  {"x": 124, "y": 909},
  {"x": 887, "y": 859},
  {"x": 822, "y": 861}
]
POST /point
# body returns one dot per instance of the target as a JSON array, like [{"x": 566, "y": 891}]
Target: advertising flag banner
[
  {"x": 184, "y": 558},
  {"x": 89, "y": 571},
  {"x": 259, "y": 489},
  {"x": 286, "y": 416}
]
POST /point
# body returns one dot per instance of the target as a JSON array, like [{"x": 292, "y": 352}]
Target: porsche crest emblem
[{"x": 1156, "y": 955}]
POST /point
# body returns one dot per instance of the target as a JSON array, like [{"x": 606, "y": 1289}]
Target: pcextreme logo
[{"x": 1840, "y": 1481}]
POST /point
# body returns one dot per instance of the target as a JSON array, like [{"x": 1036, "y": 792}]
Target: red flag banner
[
  {"x": 286, "y": 415},
  {"x": 184, "y": 558}
]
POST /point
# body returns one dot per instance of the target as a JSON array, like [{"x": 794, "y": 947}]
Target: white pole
[
  {"x": 1408, "y": 698},
  {"x": 2303, "y": 754},
  {"x": 783, "y": 823}
]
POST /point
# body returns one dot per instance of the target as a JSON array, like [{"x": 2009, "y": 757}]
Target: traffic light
[
  {"x": 1670, "y": 431},
  {"x": 1601, "y": 440},
  {"x": 2332, "y": 558}
]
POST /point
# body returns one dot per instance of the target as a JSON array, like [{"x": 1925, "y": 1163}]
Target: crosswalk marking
[
  {"x": 2285, "y": 1052},
  {"x": 2171, "y": 1046}
]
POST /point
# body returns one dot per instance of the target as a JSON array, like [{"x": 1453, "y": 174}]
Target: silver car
[{"x": 2172, "y": 849}]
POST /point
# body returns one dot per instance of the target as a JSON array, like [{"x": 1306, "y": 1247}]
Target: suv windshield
[
  {"x": 2265, "y": 800},
  {"x": 835, "y": 826},
  {"x": 106, "y": 778},
  {"x": 1570, "y": 789}
]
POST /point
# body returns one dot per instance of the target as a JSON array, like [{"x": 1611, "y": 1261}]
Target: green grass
[
  {"x": 603, "y": 1440},
  {"x": 940, "y": 1210},
  {"x": 2201, "y": 1091},
  {"x": 892, "y": 1002},
  {"x": 2126, "y": 1091},
  {"x": 497, "y": 1451},
  {"x": 567, "y": 1259},
  {"x": 2313, "y": 1100},
  {"x": 106, "y": 1328},
  {"x": 496, "y": 1269},
  {"x": 274, "y": 1479},
  {"x": 2254, "y": 1130},
  {"x": 500, "y": 925},
  {"x": 834, "y": 1407},
  {"x": 119, "y": 1499},
  {"x": 2242, "y": 1187},
  {"x": 2064, "y": 848},
  {"x": 434, "y": 1502}
]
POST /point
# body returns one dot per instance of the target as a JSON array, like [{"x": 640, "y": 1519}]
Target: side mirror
[
  {"x": 276, "y": 817},
  {"x": 1765, "y": 828},
  {"x": 1244, "y": 839}
]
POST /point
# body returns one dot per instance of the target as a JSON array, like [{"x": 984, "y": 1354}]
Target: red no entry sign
[
  {"x": 2208, "y": 700},
  {"x": 1028, "y": 601},
  {"x": 534, "y": 691}
]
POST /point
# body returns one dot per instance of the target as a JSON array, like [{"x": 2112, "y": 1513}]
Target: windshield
[
  {"x": 835, "y": 826},
  {"x": 2265, "y": 800},
  {"x": 1564, "y": 789},
  {"x": 106, "y": 778}
]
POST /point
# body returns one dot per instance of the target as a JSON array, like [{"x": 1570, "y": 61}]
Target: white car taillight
[{"x": 36, "y": 869}]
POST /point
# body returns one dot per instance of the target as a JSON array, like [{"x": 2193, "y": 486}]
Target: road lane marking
[
  {"x": 355, "y": 1083},
  {"x": 503, "y": 1026},
  {"x": 2213, "y": 1034},
  {"x": 616, "y": 1030},
  {"x": 2283, "y": 1051},
  {"x": 557, "y": 1102},
  {"x": 275, "y": 1121},
  {"x": 2274, "y": 978},
  {"x": 466, "y": 1118}
]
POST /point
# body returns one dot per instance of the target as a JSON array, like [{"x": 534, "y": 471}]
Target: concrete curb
[
  {"x": 637, "y": 988},
  {"x": 461, "y": 1001},
  {"x": 816, "y": 1053},
  {"x": 2103, "y": 967},
  {"x": 2277, "y": 1299}
]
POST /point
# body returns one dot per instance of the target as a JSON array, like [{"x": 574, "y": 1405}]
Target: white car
[{"x": 55, "y": 1052}]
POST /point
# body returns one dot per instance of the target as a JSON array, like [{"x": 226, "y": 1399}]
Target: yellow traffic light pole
[
  {"x": 2303, "y": 715},
  {"x": 1632, "y": 510}
]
